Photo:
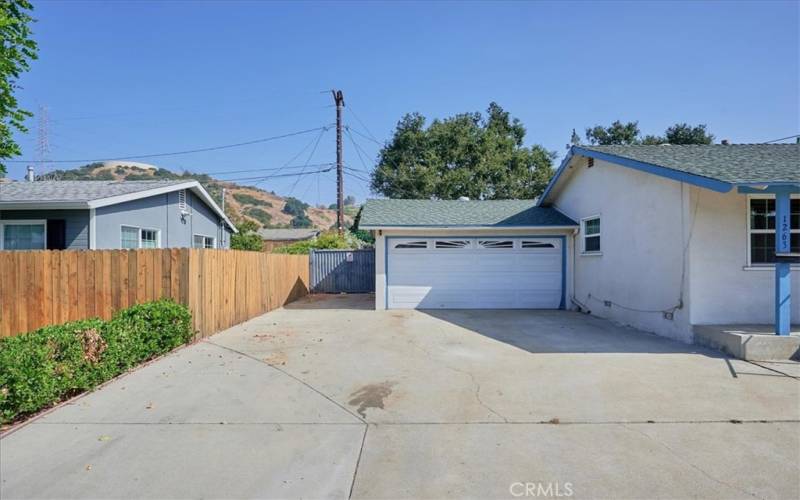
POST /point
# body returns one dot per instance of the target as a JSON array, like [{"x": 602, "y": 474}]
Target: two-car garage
[
  {"x": 463, "y": 254},
  {"x": 475, "y": 272}
]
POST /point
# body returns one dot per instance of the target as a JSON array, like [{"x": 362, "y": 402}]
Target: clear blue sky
[{"x": 147, "y": 77}]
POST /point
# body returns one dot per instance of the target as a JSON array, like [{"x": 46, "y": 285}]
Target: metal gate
[{"x": 337, "y": 271}]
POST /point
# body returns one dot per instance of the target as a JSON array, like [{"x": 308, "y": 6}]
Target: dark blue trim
[
  {"x": 669, "y": 173},
  {"x": 771, "y": 189},
  {"x": 562, "y": 237}
]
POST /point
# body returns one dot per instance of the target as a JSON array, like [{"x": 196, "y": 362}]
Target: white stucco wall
[
  {"x": 644, "y": 227},
  {"x": 723, "y": 288},
  {"x": 380, "y": 250}
]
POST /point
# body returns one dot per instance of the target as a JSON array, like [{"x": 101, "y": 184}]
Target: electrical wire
[
  {"x": 347, "y": 127},
  {"x": 184, "y": 152},
  {"x": 781, "y": 139},
  {"x": 310, "y": 155},
  {"x": 353, "y": 112}
]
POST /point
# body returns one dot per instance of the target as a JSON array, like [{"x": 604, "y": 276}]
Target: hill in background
[{"x": 242, "y": 203}]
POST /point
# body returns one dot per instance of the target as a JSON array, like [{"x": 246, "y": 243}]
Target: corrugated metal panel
[{"x": 337, "y": 271}]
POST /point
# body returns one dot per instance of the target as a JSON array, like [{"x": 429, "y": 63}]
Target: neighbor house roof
[
  {"x": 379, "y": 214},
  {"x": 714, "y": 166},
  {"x": 288, "y": 234},
  {"x": 93, "y": 194}
]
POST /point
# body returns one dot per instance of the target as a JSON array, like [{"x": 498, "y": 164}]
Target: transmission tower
[{"x": 43, "y": 143}]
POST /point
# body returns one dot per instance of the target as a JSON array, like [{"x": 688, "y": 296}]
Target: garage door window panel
[
  {"x": 411, "y": 245},
  {"x": 533, "y": 244},
  {"x": 452, "y": 244},
  {"x": 496, "y": 244}
]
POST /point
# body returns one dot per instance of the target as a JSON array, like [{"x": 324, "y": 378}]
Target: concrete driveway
[{"x": 329, "y": 399}]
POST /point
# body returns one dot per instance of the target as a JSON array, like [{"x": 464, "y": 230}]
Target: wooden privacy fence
[{"x": 221, "y": 287}]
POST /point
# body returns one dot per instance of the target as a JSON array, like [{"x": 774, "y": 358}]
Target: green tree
[
  {"x": 349, "y": 200},
  {"x": 17, "y": 50},
  {"x": 628, "y": 133},
  {"x": 247, "y": 238},
  {"x": 301, "y": 220},
  {"x": 464, "y": 155},
  {"x": 617, "y": 133},
  {"x": 294, "y": 206},
  {"x": 683, "y": 133}
]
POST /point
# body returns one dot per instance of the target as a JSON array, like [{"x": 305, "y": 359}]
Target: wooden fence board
[{"x": 221, "y": 287}]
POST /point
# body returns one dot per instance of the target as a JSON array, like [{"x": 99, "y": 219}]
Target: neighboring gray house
[{"x": 75, "y": 215}]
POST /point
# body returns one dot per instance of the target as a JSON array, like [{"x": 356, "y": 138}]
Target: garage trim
[{"x": 561, "y": 237}]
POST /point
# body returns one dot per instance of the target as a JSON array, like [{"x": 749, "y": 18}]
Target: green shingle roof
[
  {"x": 735, "y": 163},
  {"x": 455, "y": 213}
]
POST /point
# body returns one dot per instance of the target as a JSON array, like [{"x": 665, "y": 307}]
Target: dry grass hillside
[{"x": 241, "y": 202}]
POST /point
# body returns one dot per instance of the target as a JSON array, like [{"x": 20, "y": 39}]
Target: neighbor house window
[
  {"x": 201, "y": 241},
  {"x": 761, "y": 237},
  {"x": 136, "y": 237},
  {"x": 23, "y": 235},
  {"x": 591, "y": 234}
]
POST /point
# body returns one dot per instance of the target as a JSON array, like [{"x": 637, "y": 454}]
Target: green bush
[
  {"x": 258, "y": 214},
  {"x": 248, "y": 199},
  {"x": 325, "y": 241},
  {"x": 41, "y": 368}
]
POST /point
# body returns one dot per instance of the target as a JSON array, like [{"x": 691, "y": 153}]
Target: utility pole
[{"x": 338, "y": 98}]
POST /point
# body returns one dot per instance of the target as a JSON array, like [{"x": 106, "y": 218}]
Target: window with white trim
[
  {"x": 132, "y": 237},
  {"x": 201, "y": 241},
  {"x": 590, "y": 228},
  {"x": 23, "y": 235},
  {"x": 761, "y": 229}
]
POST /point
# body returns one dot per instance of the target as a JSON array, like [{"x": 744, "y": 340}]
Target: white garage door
[{"x": 474, "y": 273}]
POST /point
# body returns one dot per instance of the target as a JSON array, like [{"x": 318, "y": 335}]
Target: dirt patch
[
  {"x": 278, "y": 358},
  {"x": 371, "y": 396}
]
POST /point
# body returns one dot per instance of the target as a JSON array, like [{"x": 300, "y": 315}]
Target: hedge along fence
[
  {"x": 221, "y": 288},
  {"x": 41, "y": 368}
]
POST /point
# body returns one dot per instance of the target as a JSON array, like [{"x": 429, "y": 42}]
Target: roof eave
[
  {"x": 463, "y": 227},
  {"x": 44, "y": 205},
  {"x": 194, "y": 186},
  {"x": 677, "y": 175}
]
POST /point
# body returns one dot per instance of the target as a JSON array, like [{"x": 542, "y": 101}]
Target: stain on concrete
[{"x": 371, "y": 396}]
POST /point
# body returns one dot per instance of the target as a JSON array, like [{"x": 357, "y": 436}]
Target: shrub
[
  {"x": 294, "y": 206},
  {"x": 258, "y": 214},
  {"x": 301, "y": 221},
  {"x": 248, "y": 199},
  {"x": 325, "y": 241},
  {"x": 41, "y": 368}
]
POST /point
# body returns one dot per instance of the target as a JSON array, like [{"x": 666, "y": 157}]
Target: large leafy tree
[
  {"x": 247, "y": 238},
  {"x": 617, "y": 133},
  {"x": 628, "y": 133},
  {"x": 464, "y": 155},
  {"x": 17, "y": 50}
]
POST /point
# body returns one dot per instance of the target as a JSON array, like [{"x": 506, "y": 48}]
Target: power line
[
  {"x": 262, "y": 178},
  {"x": 188, "y": 151},
  {"x": 358, "y": 149},
  {"x": 365, "y": 137},
  {"x": 267, "y": 169},
  {"x": 308, "y": 160},
  {"x": 782, "y": 139},
  {"x": 351, "y": 110}
]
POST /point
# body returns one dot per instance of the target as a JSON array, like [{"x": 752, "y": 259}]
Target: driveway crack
[
  {"x": 690, "y": 464},
  {"x": 471, "y": 376},
  {"x": 290, "y": 376}
]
